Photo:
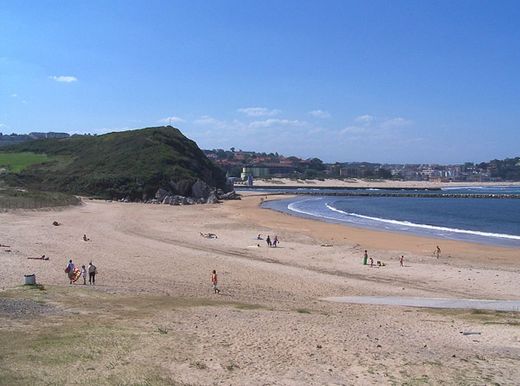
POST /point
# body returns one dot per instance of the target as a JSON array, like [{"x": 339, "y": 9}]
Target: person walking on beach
[
  {"x": 214, "y": 282},
  {"x": 84, "y": 274},
  {"x": 365, "y": 258},
  {"x": 437, "y": 252},
  {"x": 91, "y": 273},
  {"x": 401, "y": 261},
  {"x": 268, "y": 241},
  {"x": 275, "y": 241},
  {"x": 70, "y": 270}
]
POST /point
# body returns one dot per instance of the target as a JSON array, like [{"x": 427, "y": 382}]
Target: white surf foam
[{"x": 293, "y": 207}]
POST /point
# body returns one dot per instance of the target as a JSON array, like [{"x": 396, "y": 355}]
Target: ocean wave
[
  {"x": 425, "y": 226},
  {"x": 493, "y": 187},
  {"x": 294, "y": 208}
]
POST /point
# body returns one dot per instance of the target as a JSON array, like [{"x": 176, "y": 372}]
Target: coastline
[
  {"x": 380, "y": 240},
  {"x": 315, "y": 210}
]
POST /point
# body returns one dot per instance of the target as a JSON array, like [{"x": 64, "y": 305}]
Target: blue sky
[{"x": 380, "y": 81}]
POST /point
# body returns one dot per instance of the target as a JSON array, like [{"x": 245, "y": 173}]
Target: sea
[{"x": 494, "y": 221}]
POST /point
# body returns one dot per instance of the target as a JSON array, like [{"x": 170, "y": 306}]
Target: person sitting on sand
[
  {"x": 85, "y": 238},
  {"x": 259, "y": 237},
  {"x": 371, "y": 262},
  {"x": 214, "y": 281}
]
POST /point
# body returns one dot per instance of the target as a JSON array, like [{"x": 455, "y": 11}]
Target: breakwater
[
  {"x": 415, "y": 195},
  {"x": 386, "y": 192}
]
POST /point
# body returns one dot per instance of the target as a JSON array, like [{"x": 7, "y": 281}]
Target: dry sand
[{"x": 270, "y": 325}]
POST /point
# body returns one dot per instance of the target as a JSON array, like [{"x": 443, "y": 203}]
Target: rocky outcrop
[
  {"x": 200, "y": 190},
  {"x": 202, "y": 194}
]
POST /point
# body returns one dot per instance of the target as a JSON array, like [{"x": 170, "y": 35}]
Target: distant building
[{"x": 257, "y": 172}]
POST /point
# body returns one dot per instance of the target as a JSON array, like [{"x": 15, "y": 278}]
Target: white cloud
[
  {"x": 365, "y": 119},
  {"x": 3, "y": 126},
  {"x": 271, "y": 122},
  {"x": 14, "y": 95},
  {"x": 258, "y": 111},
  {"x": 64, "y": 78},
  {"x": 319, "y": 114},
  {"x": 171, "y": 119},
  {"x": 353, "y": 130},
  {"x": 206, "y": 120}
]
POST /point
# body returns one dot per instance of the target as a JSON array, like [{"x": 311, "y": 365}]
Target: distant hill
[
  {"x": 131, "y": 164},
  {"x": 12, "y": 139}
]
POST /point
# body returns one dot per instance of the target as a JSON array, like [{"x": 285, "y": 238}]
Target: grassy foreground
[
  {"x": 22, "y": 199},
  {"x": 86, "y": 336}
]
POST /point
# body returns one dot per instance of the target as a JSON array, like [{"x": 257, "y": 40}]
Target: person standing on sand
[
  {"x": 84, "y": 274},
  {"x": 70, "y": 270},
  {"x": 268, "y": 241},
  {"x": 92, "y": 273},
  {"x": 365, "y": 258},
  {"x": 371, "y": 262},
  {"x": 214, "y": 281},
  {"x": 275, "y": 241},
  {"x": 401, "y": 261},
  {"x": 437, "y": 252}
]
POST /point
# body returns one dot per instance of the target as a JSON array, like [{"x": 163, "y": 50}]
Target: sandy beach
[{"x": 270, "y": 324}]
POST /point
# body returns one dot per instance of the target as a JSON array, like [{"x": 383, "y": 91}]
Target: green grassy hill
[{"x": 130, "y": 164}]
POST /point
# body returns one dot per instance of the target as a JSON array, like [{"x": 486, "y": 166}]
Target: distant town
[{"x": 240, "y": 164}]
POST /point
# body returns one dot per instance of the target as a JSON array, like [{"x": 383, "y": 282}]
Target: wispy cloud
[
  {"x": 214, "y": 123},
  {"x": 353, "y": 130},
  {"x": 319, "y": 114},
  {"x": 376, "y": 130},
  {"x": 365, "y": 119},
  {"x": 172, "y": 119},
  {"x": 64, "y": 78},
  {"x": 397, "y": 122},
  {"x": 258, "y": 111},
  {"x": 275, "y": 122}
]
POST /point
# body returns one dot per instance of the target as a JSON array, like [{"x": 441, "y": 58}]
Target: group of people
[
  {"x": 74, "y": 273},
  {"x": 369, "y": 261},
  {"x": 272, "y": 243}
]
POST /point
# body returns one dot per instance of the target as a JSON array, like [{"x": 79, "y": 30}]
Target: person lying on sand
[
  {"x": 39, "y": 258},
  {"x": 209, "y": 235},
  {"x": 5, "y": 246}
]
